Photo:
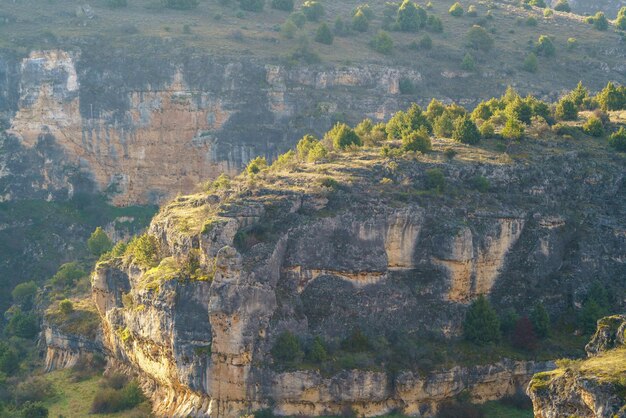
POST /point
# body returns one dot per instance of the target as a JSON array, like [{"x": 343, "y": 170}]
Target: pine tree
[
  {"x": 540, "y": 320},
  {"x": 481, "y": 324},
  {"x": 466, "y": 131},
  {"x": 99, "y": 242},
  {"x": 324, "y": 35}
]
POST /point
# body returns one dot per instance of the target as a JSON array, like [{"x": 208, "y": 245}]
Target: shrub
[
  {"x": 612, "y": 97},
  {"x": 478, "y": 38},
  {"x": 313, "y": 10},
  {"x": 540, "y": 320},
  {"x": 566, "y": 109},
  {"x": 405, "y": 85},
  {"x": 317, "y": 153},
  {"x": 324, "y": 35},
  {"x": 513, "y": 129},
  {"x": 465, "y": 131},
  {"x": 425, "y": 42},
  {"x": 545, "y": 47},
  {"x": 524, "y": 336},
  {"x": 288, "y": 29},
  {"x": 252, "y": 5},
  {"x": 33, "y": 389},
  {"x": 24, "y": 294},
  {"x": 480, "y": 183},
  {"x": 417, "y": 141},
  {"x": 180, "y": 4},
  {"x": 435, "y": 180},
  {"x": 144, "y": 250},
  {"x": 531, "y": 21},
  {"x": 434, "y": 24},
  {"x": 66, "y": 306},
  {"x": 435, "y": 109},
  {"x": 286, "y": 349},
  {"x": 562, "y": 6},
  {"x": 365, "y": 9},
  {"x": 620, "y": 22},
  {"x": 593, "y": 127},
  {"x": 471, "y": 11},
  {"x": 342, "y": 136},
  {"x": 547, "y": 12},
  {"x": 304, "y": 146},
  {"x": 285, "y": 5},
  {"x": 360, "y": 22},
  {"x": 110, "y": 400},
  {"x": 256, "y": 165},
  {"x": 600, "y": 22},
  {"x": 9, "y": 362},
  {"x": 444, "y": 125},
  {"x": 617, "y": 140},
  {"x": 317, "y": 353},
  {"x": 67, "y": 275},
  {"x": 487, "y": 130},
  {"x": 519, "y": 109},
  {"x": 382, "y": 43},
  {"x": 33, "y": 410},
  {"x": 298, "y": 19},
  {"x": 404, "y": 122},
  {"x": 356, "y": 342},
  {"x": 456, "y": 10},
  {"x": 481, "y": 325},
  {"x": 595, "y": 306},
  {"x": 99, "y": 242},
  {"x": 508, "y": 321},
  {"x": 530, "y": 63},
  {"x": 468, "y": 63},
  {"x": 410, "y": 17}
]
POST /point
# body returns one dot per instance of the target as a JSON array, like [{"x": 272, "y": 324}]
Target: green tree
[
  {"x": 530, "y": 63},
  {"x": 434, "y": 110},
  {"x": 317, "y": 153},
  {"x": 562, "y": 6},
  {"x": 595, "y": 306},
  {"x": 481, "y": 325},
  {"x": 540, "y": 320},
  {"x": 382, "y": 43},
  {"x": 342, "y": 136},
  {"x": 285, "y": 5},
  {"x": 144, "y": 250},
  {"x": 418, "y": 140},
  {"x": 456, "y": 10},
  {"x": 99, "y": 242},
  {"x": 566, "y": 110},
  {"x": 544, "y": 46},
  {"x": 466, "y": 131},
  {"x": 66, "y": 306},
  {"x": 409, "y": 18},
  {"x": 256, "y": 165},
  {"x": 287, "y": 348},
  {"x": 34, "y": 410},
  {"x": 508, "y": 321},
  {"x": 24, "y": 294},
  {"x": 479, "y": 38},
  {"x": 444, "y": 125},
  {"x": 360, "y": 22},
  {"x": 617, "y": 140},
  {"x": 252, "y": 5},
  {"x": 68, "y": 274},
  {"x": 519, "y": 109},
  {"x": 324, "y": 35},
  {"x": 468, "y": 63},
  {"x": 593, "y": 127},
  {"x": 313, "y": 10},
  {"x": 23, "y": 325},
  {"x": 620, "y": 22},
  {"x": 513, "y": 129},
  {"x": 600, "y": 22},
  {"x": 317, "y": 354},
  {"x": 9, "y": 362},
  {"x": 304, "y": 146},
  {"x": 612, "y": 97},
  {"x": 579, "y": 94}
]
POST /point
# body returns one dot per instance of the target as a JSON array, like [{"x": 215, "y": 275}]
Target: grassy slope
[
  {"x": 73, "y": 399},
  {"x": 33, "y": 26}
]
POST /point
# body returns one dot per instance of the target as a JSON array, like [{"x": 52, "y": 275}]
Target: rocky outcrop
[
  {"x": 67, "y": 350},
  {"x": 591, "y": 388},
  {"x": 289, "y": 250}
]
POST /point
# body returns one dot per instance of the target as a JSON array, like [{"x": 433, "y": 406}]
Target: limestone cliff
[
  {"x": 594, "y": 388},
  {"x": 358, "y": 242}
]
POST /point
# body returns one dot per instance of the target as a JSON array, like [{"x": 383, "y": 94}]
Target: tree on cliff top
[
  {"x": 99, "y": 242},
  {"x": 481, "y": 325}
]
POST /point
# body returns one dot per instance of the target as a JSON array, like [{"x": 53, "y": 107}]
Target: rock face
[
  {"x": 292, "y": 250},
  {"x": 64, "y": 351},
  {"x": 590, "y": 7},
  {"x": 591, "y": 388}
]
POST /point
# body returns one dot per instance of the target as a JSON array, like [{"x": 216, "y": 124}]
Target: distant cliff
[
  {"x": 595, "y": 387},
  {"x": 361, "y": 242}
]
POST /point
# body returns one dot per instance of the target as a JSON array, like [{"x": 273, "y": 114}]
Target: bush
[
  {"x": 434, "y": 24},
  {"x": 480, "y": 183},
  {"x": 487, "y": 130},
  {"x": 471, "y": 11},
  {"x": 617, "y": 140},
  {"x": 508, "y": 321},
  {"x": 24, "y": 294},
  {"x": 33, "y": 410},
  {"x": 109, "y": 400},
  {"x": 519, "y": 109},
  {"x": 545, "y": 47},
  {"x": 33, "y": 389},
  {"x": 620, "y": 22},
  {"x": 417, "y": 141},
  {"x": 360, "y": 22},
  {"x": 444, "y": 125},
  {"x": 524, "y": 336},
  {"x": 405, "y": 122},
  {"x": 456, "y": 10},
  {"x": 68, "y": 274},
  {"x": 465, "y": 131},
  {"x": 144, "y": 250},
  {"x": 286, "y": 349},
  {"x": 468, "y": 63},
  {"x": 324, "y": 35},
  {"x": 313, "y": 10},
  {"x": 99, "y": 242},
  {"x": 481, "y": 325},
  {"x": 180, "y": 4},
  {"x": 382, "y": 43},
  {"x": 566, "y": 110},
  {"x": 256, "y": 165},
  {"x": 356, "y": 342},
  {"x": 23, "y": 325},
  {"x": 285, "y": 5},
  {"x": 9, "y": 362},
  {"x": 410, "y": 17},
  {"x": 298, "y": 19},
  {"x": 251, "y": 5},
  {"x": 435, "y": 180},
  {"x": 540, "y": 320},
  {"x": 595, "y": 306},
  {"x": 563, "y": 6},
  {"x": 612, "y": 97},
  {"x": 600, "y": 21},
  {"x": 425, "y": 42},
  {"x": 66, "y": 306},
  {"x": 343, "y": 136},
  {"x": 593, "y": 127},
  {"x": 513, "y": 129},
  {"x": 317, "y": 353},
  {"x": 530, "y": 63},
  {"x": 478, "y": 38},
  {"x": 288, "y": 29}
]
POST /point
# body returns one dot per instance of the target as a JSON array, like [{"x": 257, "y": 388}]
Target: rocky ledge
[{"x": 591, "y": 388}]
